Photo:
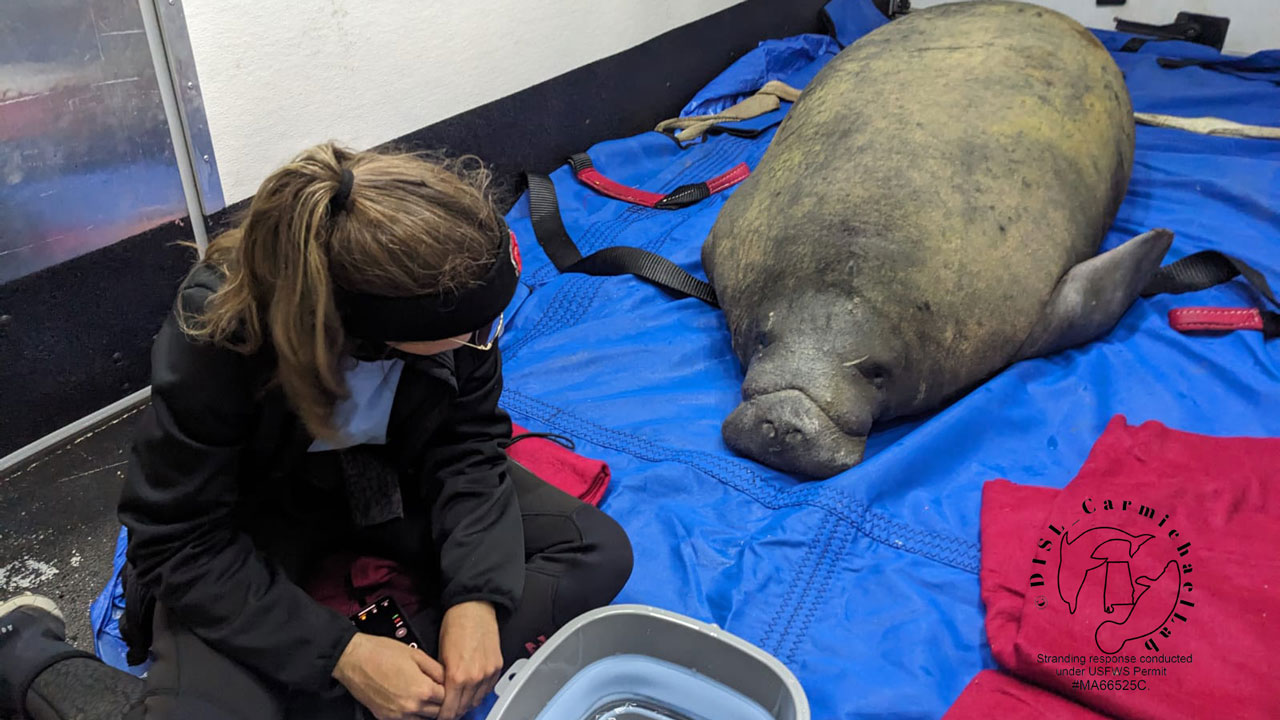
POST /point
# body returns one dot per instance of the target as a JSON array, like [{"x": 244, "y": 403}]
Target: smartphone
[{"x": 384, "y": 618}]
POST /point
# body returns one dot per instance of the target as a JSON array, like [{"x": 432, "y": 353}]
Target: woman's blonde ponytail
[{"x": 407, "y": 226}]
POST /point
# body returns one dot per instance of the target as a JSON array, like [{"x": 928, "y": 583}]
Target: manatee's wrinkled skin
[{"x": 917, "y": 207}]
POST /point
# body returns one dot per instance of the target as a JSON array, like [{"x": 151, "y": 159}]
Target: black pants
[{"x": 577, "y": 559}]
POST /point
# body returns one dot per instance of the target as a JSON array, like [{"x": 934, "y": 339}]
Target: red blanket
[
  {"x": 581, "y": 477},
  {"x": 1149, "y": 587}
]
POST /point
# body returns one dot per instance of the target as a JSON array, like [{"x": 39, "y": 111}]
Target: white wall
[
  {"x": 1255, "y": 24},
  {"x": 277, "y": 75}
]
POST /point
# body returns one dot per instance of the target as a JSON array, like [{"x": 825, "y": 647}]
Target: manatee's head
[
  {"x": 821, "y": 359},
  {"x": 818, "y": 375}
]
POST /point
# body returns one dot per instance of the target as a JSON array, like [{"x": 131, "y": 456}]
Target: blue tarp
[{"x": 866, "y": 584}]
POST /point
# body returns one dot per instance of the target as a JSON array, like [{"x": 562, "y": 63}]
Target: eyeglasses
[{"x": 485, "y": 337}]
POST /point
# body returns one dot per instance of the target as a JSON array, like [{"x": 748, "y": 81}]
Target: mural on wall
[{"x": 86, "y": 157}]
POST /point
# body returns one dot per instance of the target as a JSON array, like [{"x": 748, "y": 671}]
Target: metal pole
[{"x": 165, "y": 79}]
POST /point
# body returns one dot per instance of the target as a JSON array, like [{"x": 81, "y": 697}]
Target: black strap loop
[
  {"x": 1204, "y": 270},
  {"x": 548, "y": 228}
]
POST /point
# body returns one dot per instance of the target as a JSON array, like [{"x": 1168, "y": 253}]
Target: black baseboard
[{"x": 79, "y": 334}]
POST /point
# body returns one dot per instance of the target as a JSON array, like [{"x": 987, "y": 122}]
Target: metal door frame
[{"x": 166, "y": 28}]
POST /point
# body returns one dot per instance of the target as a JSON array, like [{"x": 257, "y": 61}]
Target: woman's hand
[
  {"x": 391, "y": 679},
  {"x": 472, "y": 656}
]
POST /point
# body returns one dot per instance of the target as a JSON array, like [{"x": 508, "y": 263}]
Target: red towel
[
  {"x": 1149, "y": 587},
  {"x": 993, "y": 695},
  {"x": 581, "y": 477}
]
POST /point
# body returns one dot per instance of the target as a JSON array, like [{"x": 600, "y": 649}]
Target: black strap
[
  {"x": 548, "y": 228},
  {"x": 1134, "y": 44},
  {"x": 1204, "y": 270}
]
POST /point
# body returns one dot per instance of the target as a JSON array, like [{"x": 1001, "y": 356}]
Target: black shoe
[{"x": 33, "y": 636}]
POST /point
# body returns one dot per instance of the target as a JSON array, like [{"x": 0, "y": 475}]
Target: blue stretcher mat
[{"x": 866, "y": 584}]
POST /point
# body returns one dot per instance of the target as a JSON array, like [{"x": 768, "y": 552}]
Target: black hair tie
[{"x": 341, "y": 199}]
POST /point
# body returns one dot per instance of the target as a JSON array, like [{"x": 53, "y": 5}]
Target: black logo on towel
[{"x": 1119, "y": 560}]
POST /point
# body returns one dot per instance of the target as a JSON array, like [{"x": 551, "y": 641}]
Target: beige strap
[
  {"x": 1209, "y": 126},
  {"x": 765, "y": 100}
]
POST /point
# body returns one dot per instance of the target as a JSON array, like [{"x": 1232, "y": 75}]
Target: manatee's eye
[
  {"x": 762, "y": 340},
  {"x": 875, "y": 373}
]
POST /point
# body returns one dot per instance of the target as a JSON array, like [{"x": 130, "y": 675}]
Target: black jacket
[{"x": 217, "y": 455}]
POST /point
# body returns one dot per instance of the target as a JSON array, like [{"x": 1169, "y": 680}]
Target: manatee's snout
[{"x": 787, "y": 431}]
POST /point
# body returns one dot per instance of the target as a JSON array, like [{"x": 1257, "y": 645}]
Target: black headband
[{"x": 437, "y": 316}]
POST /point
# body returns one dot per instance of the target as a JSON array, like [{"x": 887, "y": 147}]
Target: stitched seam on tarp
[
  {"x": 813, "y": 552},
  {"x": 564, "y": 310},
  {"x": 944, "y": 549},
  {"x": 805, "y": 586},
  {"x": 818, "y": 595}
]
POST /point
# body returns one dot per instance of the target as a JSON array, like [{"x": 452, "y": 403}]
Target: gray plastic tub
[{"x": 632, "y": 630}]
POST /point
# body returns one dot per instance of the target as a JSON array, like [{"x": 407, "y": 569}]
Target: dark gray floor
[{"x": 58, "y": 524}]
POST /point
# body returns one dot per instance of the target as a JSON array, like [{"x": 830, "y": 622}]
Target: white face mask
[{"x": 362, "y": 417}]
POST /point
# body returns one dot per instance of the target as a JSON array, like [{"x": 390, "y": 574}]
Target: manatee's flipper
[{"x": 1092, "y": 296}]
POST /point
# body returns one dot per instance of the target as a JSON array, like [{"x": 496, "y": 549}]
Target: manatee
[{"x": 929, "y": 212}]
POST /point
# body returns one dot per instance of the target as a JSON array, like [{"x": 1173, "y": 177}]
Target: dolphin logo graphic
[
  {"x": 1090, "y": 550},
  {"x": 1152, "y": 609}
]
